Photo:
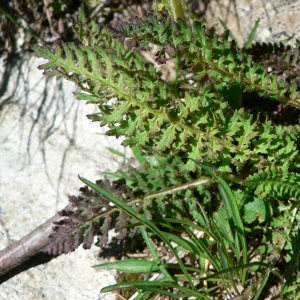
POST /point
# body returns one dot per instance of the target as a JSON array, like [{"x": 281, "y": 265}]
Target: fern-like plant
[{"x": 209, "y": 161}]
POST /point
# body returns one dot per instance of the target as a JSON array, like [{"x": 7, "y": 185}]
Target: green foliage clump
[
  {"x": 207, "y": 162},
  {"x": 189, "y": 114}
]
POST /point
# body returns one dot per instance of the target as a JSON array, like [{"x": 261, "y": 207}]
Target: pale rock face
[
  {"x": 279, "y": 19},
  {"x": 63, "y": 278}
]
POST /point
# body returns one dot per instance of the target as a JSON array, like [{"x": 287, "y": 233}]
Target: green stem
[{"x": 176, "y": 9}]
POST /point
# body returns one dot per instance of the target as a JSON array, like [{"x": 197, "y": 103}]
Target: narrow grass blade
[
  {"x": 138, "y": 155},
  {"x": 186, "y": 222},
  {"x": 226, "y": 28},
  {"x": 185, "y": 244},
  {"x": 232, "y": 211},
  {"x": 114, "y": 151},
  {"x": 154, "y": 253},
  {"x": 130, "y": 266},
  {"x": 262, "y": 285},
  {"x": 154, "y": 287},
  {"x": 248, "y": 44},
  {"x": 202, "y": 248},
  {"x": 113, "y": 175}
]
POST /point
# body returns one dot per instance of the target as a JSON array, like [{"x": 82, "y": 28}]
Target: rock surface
[{"x": 279, "y": 19}]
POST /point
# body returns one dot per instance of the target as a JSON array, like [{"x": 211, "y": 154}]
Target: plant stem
[{"x": 36, "y": 241}]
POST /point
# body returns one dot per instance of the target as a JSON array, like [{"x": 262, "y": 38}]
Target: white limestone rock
[{"x": 279, "y": 19}]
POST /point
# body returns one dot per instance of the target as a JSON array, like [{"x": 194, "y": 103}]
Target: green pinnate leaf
[
  {"x": 168, "y": 138},
  {"x": 275, "y": 183}
]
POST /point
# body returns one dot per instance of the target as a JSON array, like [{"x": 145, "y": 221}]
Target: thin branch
[{"x": 36, "y": 241}]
